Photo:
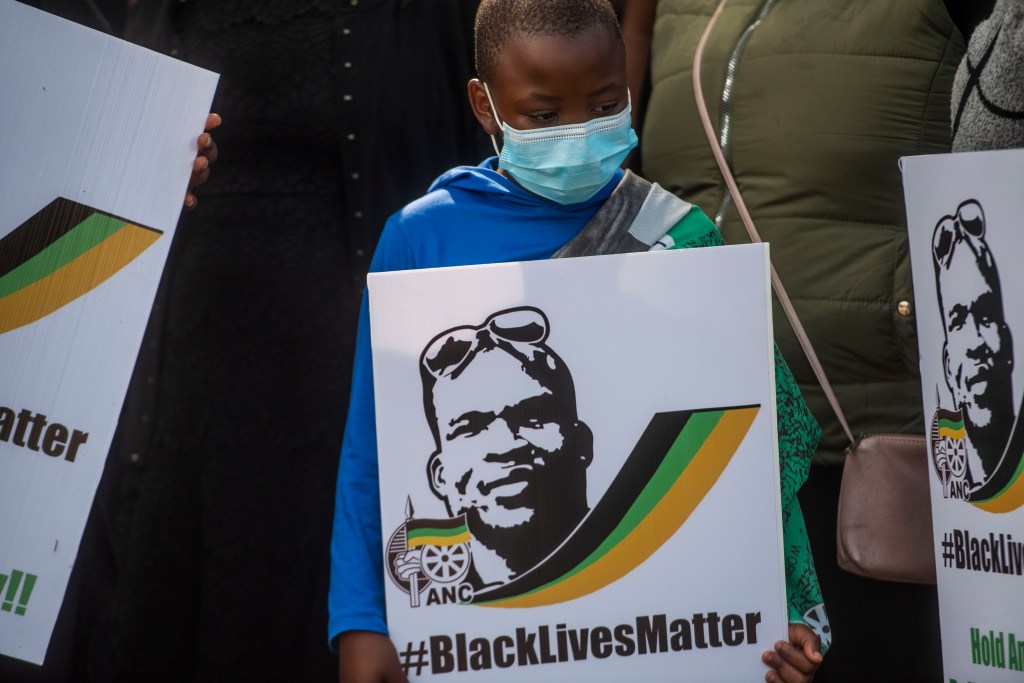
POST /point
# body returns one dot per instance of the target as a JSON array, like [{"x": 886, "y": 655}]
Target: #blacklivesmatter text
[
  {"x": 992, "y": 554},
  {"x": 443, "y": 654},
  {"x": 34, "y": 431}
]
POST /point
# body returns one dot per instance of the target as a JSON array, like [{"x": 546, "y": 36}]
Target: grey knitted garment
[{"x": 988, "y": 92}]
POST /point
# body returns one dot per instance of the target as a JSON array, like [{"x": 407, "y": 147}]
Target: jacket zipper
[{"x": 724, "y": 137}]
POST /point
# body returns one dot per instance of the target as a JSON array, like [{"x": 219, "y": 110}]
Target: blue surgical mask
[{"x": 566, "y": 164}]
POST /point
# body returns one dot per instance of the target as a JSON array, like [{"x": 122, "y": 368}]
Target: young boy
[{"x": 547, "y": 68}]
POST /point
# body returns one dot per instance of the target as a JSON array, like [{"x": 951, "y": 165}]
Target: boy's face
[{"x": 553, "y": 80}]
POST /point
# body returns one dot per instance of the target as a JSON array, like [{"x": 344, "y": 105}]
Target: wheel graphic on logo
[
  {"x": 956, "y": 457},
  {"x": 445, "y": 564}
]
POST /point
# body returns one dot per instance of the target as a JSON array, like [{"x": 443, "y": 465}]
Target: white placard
[
  {"x": 964, "y": 215},
  {"x": 602, "y": 497},
  {"x": 97, "y": 139}
]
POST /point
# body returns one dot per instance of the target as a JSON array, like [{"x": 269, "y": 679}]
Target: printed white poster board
[
  {"x": 97, "y": 139},
  {"x": 578, "y": 468},
  {"x": 964, "y": 213}
]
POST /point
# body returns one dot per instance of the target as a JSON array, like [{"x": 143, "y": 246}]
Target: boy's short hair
[{"x": 497, "y": 21}]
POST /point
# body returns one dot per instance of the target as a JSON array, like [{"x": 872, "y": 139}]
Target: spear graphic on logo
[
  {"x": 414, "y": 578},
  {"x": 948, "y": 446}
]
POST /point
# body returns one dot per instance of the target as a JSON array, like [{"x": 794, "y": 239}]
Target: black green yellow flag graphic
[
  {"x": 949, "y": 424},
  {"x": 437, "y": 532},
  {"x": 62, "y": 252},
  {"x": 671, "y": 469}
]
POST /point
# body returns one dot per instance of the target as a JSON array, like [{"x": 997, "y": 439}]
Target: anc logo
[
  {"x": 949, "y": 452},
  {"x": 443, "y": 557},
  {"x": 61, "y": 253},
  {"x": 671, "y": 469}
]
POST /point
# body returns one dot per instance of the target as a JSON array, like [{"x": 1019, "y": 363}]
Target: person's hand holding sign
[
  {"x": 367, "y": 657},
  {"x": 796, "y": 661},
  {"x": 201, "y": 166}
]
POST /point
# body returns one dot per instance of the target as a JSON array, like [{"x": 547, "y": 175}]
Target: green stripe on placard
[
  {"x": 446, "y": 533},
  {"x": 62, "y": 251}
]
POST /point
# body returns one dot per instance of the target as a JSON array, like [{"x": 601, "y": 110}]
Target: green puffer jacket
[{"x": 826, "y": 96}]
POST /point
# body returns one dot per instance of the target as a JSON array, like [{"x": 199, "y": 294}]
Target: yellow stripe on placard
[
  {"x": 955, "y": 434},
  {"x": 1009, "y": 500},
  {"x": 440, "y": 541},
  {"x": 76, "y": 278}
]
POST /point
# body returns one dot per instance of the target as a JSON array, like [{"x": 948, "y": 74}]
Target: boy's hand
[
  {"x": 201, "y": 166},
  {"x": 795, "y": 661},
  {"x": 367, "y": 657}
]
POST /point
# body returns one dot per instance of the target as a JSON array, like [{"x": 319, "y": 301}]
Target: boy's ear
[{"x": 482, "y": 107}]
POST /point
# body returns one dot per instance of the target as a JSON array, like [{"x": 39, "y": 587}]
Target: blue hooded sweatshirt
[{"x": 470, "y": 215}]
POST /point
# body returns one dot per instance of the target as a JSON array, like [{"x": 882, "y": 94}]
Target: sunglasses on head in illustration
[
  {"x": 968, "y": 223},
  {"x": 449, "y": 351}
]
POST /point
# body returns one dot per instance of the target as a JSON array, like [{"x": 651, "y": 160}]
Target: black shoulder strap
[{"x": 608, "y": 231}]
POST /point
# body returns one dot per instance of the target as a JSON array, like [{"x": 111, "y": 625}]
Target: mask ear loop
[{"x": 494, "y": 112}]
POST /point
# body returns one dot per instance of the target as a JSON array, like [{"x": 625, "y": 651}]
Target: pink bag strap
[{"x": 748, "y": 223}]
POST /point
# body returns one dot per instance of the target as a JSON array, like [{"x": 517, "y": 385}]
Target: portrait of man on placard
[
  {"x": 977, "y": 352},
  {"x": 511, "y": 453},
  {"x": 509, "y": 461}
]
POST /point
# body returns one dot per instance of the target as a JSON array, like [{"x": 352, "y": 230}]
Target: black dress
[{"x": 337, "y": 112}]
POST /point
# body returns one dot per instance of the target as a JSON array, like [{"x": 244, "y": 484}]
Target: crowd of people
[{"x": 227, "y": 542}]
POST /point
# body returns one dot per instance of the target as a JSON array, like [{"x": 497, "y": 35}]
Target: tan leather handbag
[{"x": 885, "y": 515}]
